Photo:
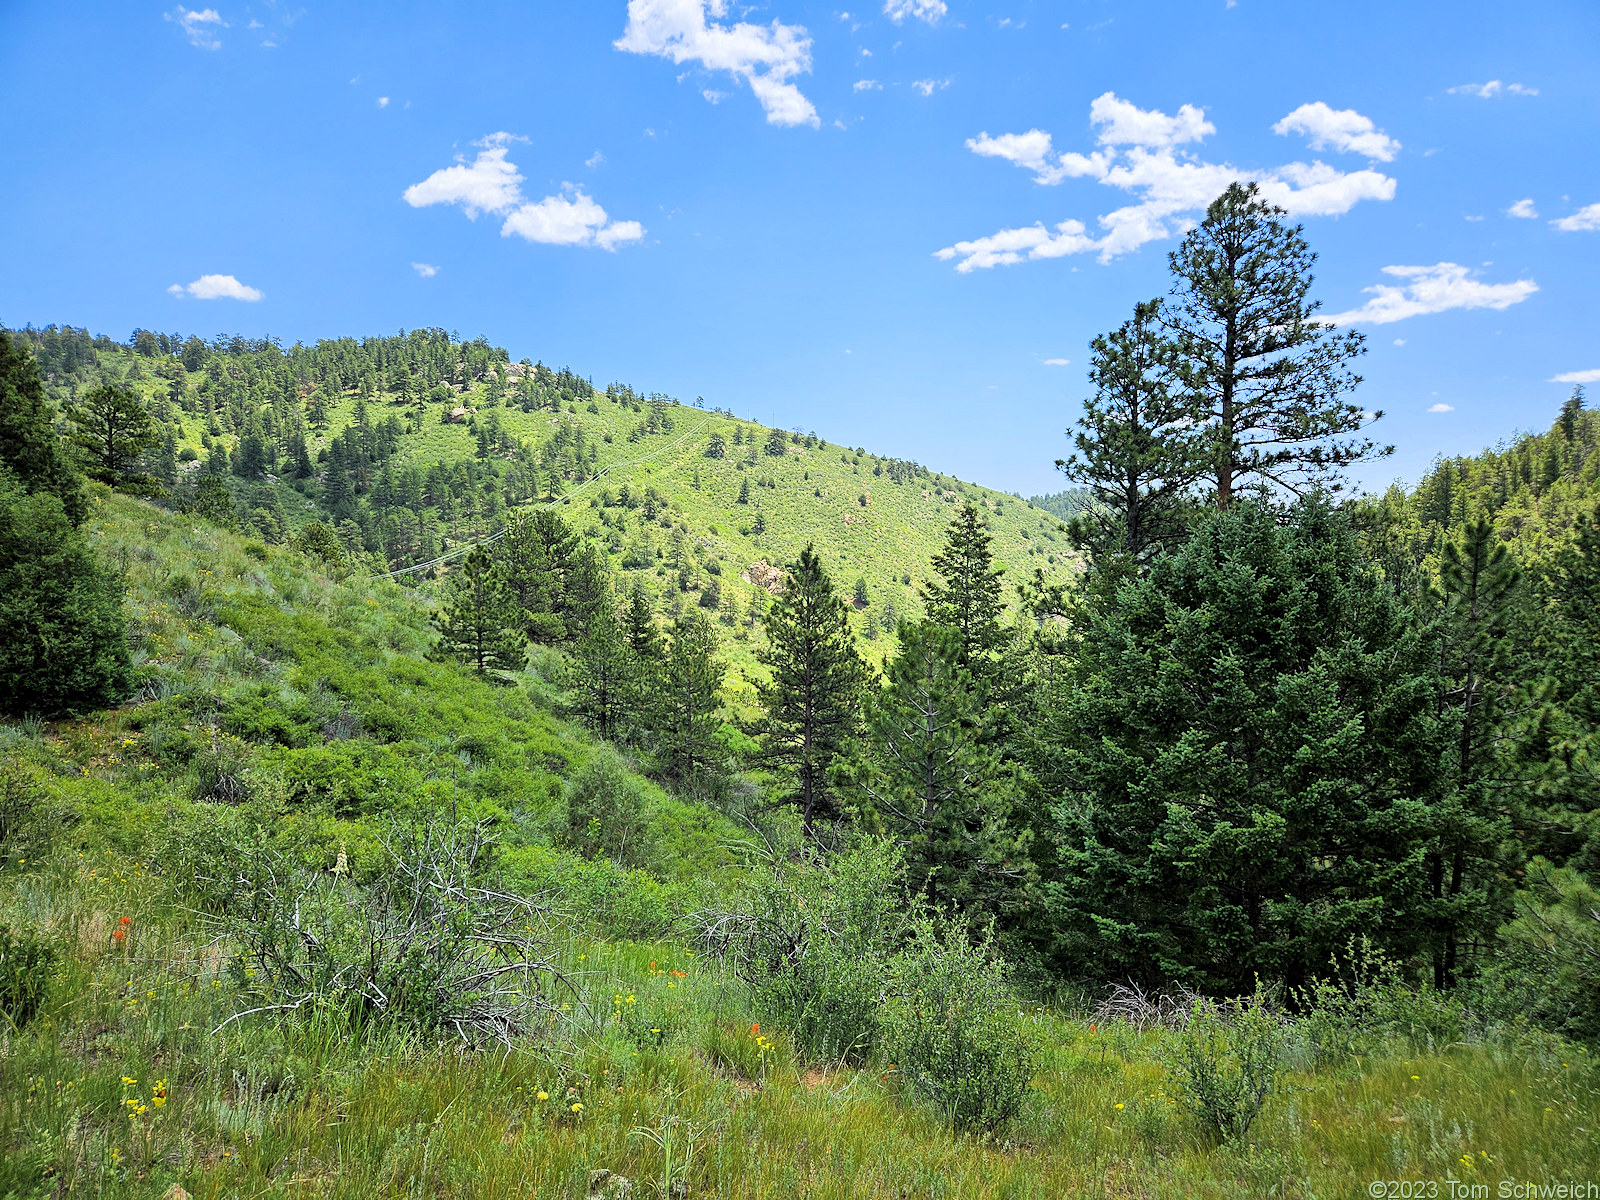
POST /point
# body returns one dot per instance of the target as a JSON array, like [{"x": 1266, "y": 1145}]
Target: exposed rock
[
  {"x": 608, "y": 1184},
  {"x": 764, "y": 575}
]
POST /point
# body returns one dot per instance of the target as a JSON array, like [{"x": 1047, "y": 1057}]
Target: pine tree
[
  {"x": 639, "y": 627},
  {"x": 691, "y": 694},
  {"x": 30, "y": 448},
  {"x": 112, "y": 428},
  {"x": 65, "y": 648},
  {"x": 605, "y": 673},
  {"x": 1264, "y": 377},
  {"x": 1134, "y": 454},
  {"x": 744, "y": 490},
  {"x": 478, "y": 621},
  {"x": 812, "y": 701},
  {"x": 968, "y": 598},
  {"x": 536, "y": 556},
  {"x": 937, "y": 785}
]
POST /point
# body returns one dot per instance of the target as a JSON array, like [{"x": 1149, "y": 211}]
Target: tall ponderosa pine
[
  {"x": 30, "y": 447},
  {"x": 478, "y": 621},
  {"x": 1136, "y": 452},
  {"x": 691, "y": 690},
  {"x": 111, "y": 428},
  {"x": 812, "y": 701},
  {"x": 1264, "y": 377},
  {"x": 968, "y": 598},
  {"x": 937, "y": 785},
  {"x": 606, "y": 673}
]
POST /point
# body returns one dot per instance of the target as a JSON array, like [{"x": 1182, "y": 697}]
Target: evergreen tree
[
  {"x": 744, "y": 490},
  {"x": 65, "y": 648},
  {"x": 30, "y": 448},
  {"x": 605, "y": 673},
  {"x": 812, "y": 701},
  {"x": 1134, "y": 454},
  {"x": 692, "y": 686},
  {"x": 536, "y": 556},
  {"x": 112, "y": 428},
  {"x": 777, "y": 443},
  {"x": 968, "y": 597},
  {"x": 1264, "y": 377},
  {"x": 477, "y": 621},
  {"x": 639, "y": 627},
  {"x": 1248, "y": 757},
  {"x": 937, "y": 785}
]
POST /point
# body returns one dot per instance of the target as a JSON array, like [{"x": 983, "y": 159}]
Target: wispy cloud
[
  {"x": 201, "y": 26},
  {"x": 426, "y": 270},
  {"x": 1523, "y": 209},
  {"x": 1585, "y": 220},
  {"x": 766, "y": 57},
  {"x": 1441, "y": 408},
  {"x": 491, "y": 183},
  {"x": 924, "y": 10},
  {"x": 217, "y": 287},
  {"x": 1142, "y": 152},
  {"x": 1488, "y": 91},
  {"x": 867, "y": 85},
  {"x": 1424, "y": 290},
  {"x": 1577, "y": 377},
  {"x": 928, "y": 87},
  {"x": 1058, "y": 362}
]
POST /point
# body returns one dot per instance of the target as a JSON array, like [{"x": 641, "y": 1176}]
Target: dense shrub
[
  {"x": 813, "y": 942},
  {"x": 26, "y": 967},
  {"x": 953, "y": 1028},
  {"x": 1225, "y": 1062},
  {"x": 608, "y": 812}
]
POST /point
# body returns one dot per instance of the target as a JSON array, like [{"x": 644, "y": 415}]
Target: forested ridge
[{"x": 551, "y": 782}]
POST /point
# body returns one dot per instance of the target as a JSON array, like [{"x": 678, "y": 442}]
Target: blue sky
[{"x": 895, "y": 222}]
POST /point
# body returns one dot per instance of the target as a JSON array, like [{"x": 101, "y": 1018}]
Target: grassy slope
[{"x": 270, "y": 653}]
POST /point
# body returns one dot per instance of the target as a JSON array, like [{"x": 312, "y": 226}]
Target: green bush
[
  {"x": 26, "y": 967},
  {"x": 1225, "y": 1062},
  {"x": 813, "y": 943},
  {"x": 608, "y": 813},
  {"x": 953, "y": 1029},
  {"x": 28, "y": 821},
  {"x": 1365, "y": 1001}
]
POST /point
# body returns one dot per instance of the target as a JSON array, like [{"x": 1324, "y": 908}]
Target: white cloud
[
  {"x": 1442, "y": 408},
  {"x": 713, "y": 96},
  {"x": 928, "y": 87},
  {"x": 200, "y": 27},
  {"x": 764, "y": 56},
  {"x": 924, "y": 10},
  {"x": 1488, "y": 91},
  {"x": 1524, "y": 209},
  {"x": 1058, "y": 362},
  {"x": 383, "y": 102},
  {"x": 1577, "y": 377},
  {"x": 1171, "y": 185},
  {"x": 487, "y": 184},
  {"x": 867, "y": 85},
  {"x": 595, "y": 160},
  {"x": 217, "y": 287},
  {"x": 426, "y": 270},
  {"x": 492, "y": 184},
  {"x": 1434, "y": 289},
  {"x": 1399, "y": 341},
  {"x": 1585, "y": 220},
  {"x": 1344, "y": 130}
]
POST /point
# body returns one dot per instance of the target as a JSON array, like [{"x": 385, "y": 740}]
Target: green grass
[{"x": 250, "y": 657}]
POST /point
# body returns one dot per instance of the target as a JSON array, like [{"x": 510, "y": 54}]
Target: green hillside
[
  {"x": 288, "y": 718},
  {"x": 635, "y": 474}
]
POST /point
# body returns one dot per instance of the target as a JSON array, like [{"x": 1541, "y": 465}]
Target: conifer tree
[
  {"x": 536, "y": 556},
  {"x": 812, "y": 701},
  {"x": 692, "y": 687},
  {"x": 968, "y": 597},
  {"x": 1134, "y": 454},
  {"x": 30, "y": 448},
  {"x": 478, "y": 621},
  {"x": 1264, "y": 377},
  {"x": 744, "y": 490},
  {"x": 112, "y": 428},
  {"x": 65, "y": 647},
  {"x": 605, "y": 673},
  {"x": 938, "y": 785}
]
